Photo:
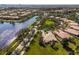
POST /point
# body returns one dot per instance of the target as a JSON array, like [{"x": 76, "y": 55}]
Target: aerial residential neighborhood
[{"x": 40, "y": 30}]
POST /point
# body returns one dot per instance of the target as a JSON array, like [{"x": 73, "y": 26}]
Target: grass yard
[
  {"x": 49, "y": 22},
  {"x": 36, "y": 49}
]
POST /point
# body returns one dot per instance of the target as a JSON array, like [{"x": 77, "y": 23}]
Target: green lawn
[
  {"x": 49, "y": 22},
  {"x": 75, "y": 48},
  {"x": 36, "y": 49}
]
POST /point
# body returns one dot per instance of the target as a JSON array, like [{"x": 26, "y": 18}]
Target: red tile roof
[
  {"x": 62, "y": 34},
  {"x": 72, "y": 31}
]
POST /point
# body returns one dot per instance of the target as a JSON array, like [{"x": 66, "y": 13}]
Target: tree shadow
[
  {"x": 41, "y": 43},
  {"x": 53, "y": 45},
  {"x": 65, "y": 46},
  {"x": 26, "y": 49}
]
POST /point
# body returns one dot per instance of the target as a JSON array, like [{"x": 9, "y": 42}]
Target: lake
[{"x": 8, "y": 30}]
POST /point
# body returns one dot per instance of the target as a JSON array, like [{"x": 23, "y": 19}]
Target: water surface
[{"x": 9, "y": 30}]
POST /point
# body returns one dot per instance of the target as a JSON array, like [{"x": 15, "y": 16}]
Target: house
[
  {"x": 62, "y": 34},
  {"x": 73, "y": 24},
  {"x": 57, "y": 17},
  {"x": 66, "y": 20},
  {"x": 48, "y": 37},
  {"x": 72, "y": 31},
  {"x": 75, "y": 27},
  {"x": 51, "y": 16}
]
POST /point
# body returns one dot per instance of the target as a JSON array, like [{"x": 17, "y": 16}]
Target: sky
[{"x": 39, "y": 2}]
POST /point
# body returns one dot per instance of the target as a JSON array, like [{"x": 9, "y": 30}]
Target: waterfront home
[
  {"x": 9, "y": 17},
  {"x": 25, "y": 14},
  {"x": 12, "y": 13},
  {"x": 48, "y": 37}
]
